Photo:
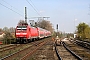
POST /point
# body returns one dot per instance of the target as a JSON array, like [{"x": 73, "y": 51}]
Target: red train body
[
  {"x": 26, "y": 33},
  {"x": 41, "y": 33}
]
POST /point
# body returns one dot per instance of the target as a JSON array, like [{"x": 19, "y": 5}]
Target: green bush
[{"x": 8, "y": 38}]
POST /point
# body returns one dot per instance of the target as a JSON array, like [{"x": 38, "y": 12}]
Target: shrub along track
[
  {"x": 23, "y": 53},
  {"x": 82, "y": 52}
]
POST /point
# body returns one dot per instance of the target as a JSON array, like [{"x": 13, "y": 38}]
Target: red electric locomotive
[{"x": 26, "y": 33}]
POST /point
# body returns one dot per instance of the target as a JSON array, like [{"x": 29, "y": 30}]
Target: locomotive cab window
[{"x": 21, "y": 27}]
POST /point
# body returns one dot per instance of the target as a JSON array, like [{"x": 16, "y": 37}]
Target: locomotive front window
[{"x": 21, "y": 27}]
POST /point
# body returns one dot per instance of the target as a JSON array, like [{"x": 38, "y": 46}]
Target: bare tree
[
  {"x": 45, "y": 25},
  {"x": 11, "y": 29},
  {"x": 5, "y": 29},
  {"x": 1, "y": 30},
  {"x": 21, "y": 22}
]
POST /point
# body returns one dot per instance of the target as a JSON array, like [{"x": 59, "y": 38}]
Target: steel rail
[
  {"x": 78, "y": 57},
  {"x": 6, "y": 57},
  {"x": 33, "y": 51},
  {"x": 59, "y": 58}
]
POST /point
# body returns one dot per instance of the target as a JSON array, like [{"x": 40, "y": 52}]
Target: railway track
[
  {"x": 22, "y": 54},
  {"x": 83, "y": 44},
  {"x": 6, "y": 50},
  {"x": 32, "y": 51},
  {"x": 6, "y": 46},
  {"x": 45, "y": 52},
  {"x": 64, "y": 53},
  {"x": 80, "y": 51}
]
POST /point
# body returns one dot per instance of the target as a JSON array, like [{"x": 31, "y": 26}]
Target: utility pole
[
  {"x": 25, "y": 15},
  {"x": 89, "y": 9}
]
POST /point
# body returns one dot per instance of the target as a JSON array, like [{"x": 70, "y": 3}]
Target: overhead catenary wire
[
  {"x": 39, "y": 13},
  {"x": 12, "y": 6},
  {"x": 34, "y": 8},
  {"x": 11, "y": 9}
]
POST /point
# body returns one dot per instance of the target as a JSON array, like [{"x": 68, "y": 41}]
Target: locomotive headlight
[
  {"x": 24, "y": 33},
  {"x": 17, "y": 33}
]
